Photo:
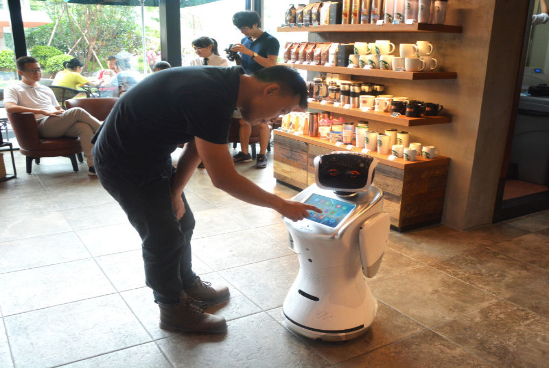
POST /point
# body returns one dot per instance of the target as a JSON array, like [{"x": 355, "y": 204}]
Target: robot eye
[
  {"x": 353, "y": 174},
  {"x": 334, "y": 172}
]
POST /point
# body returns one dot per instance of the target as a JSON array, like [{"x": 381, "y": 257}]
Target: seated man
[{"x": 28, "y": 96}]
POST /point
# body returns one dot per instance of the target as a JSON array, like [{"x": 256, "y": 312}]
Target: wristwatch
[{"x": 255, "y": 55}]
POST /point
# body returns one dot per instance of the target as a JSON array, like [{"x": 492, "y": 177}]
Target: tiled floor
[{"x": 72, "y": 288}]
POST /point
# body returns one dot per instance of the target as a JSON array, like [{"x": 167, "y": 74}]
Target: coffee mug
[
  {"x": 371, "y": 140},
  {"x": 403, "y": 138},
  {"x": 409, "y": 154},
  {"x": 429, "y": 62},
  {"x": 431, "y": 110},
  {"x": 386, "y": 96},
  {"x": 430, "y": 152},
  {"x": 363, "y": 61},
  {"x": 408, "y": 51},
  {"x": 382, "y": 104},
  {"x": 413, "y": 110},
  {"x": 398, "y": 64},
  {"x": 324, "y": 132},
  {"x": 384, "y": 47},
  {"x": 371, "y": 48},
  {"x": 374, "y": 61},
  {"x": 393, "y": 135},
  {"x": 424, "y": 48},
  {"x": 397, "y": 150},
  {"x": 386, "y": 62},
  {"x": 353, "y": 60},
  {"x": 417, "y": 146},
  {"x": 414, "y": 65},
  {"x": 366, "y": 101},
  {"x": 398, "y": 106},
  {"x": 361, "y": 48},
  {"x": 383, "y": 144}
]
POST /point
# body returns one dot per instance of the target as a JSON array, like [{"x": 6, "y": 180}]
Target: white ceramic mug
[
  {"x": 383, "y": 144},
  {"x": 398, "y": 63},
  {"x": 397, "y": 150},
  {"x": 414, "y": 65},
  {"x": 363, "y": 61},
  {"x": 408, "y": 50},
  {"x": 371, "y": 140},
  {"x": 403, "y": 138},
  {"x": 382, "y": 104},
  {"x": 393, "y": 135},
  {"x": 374, "y": 61},
  {"x": 409, "y": 154},
  {"x": 417, "y": 146},
  {"x": 384, "y": 47},
  {"x": 430, "y": 152},
  {"x": 366, "y": 101},
  {"x": 372, "y": 48},
  {"x": 424, "y": 48},
  {"x": 353, "y": 60},
  {"x": 386, "y": 62},
  {"x": 429, "y": 62},
  {"x": 361, "y": 48}
]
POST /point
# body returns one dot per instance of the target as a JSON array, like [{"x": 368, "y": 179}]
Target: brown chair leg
[
  {"x": 73, "y": 161},
  {"x": 253, "y": 150},
  {"x": 29, "y": 164},
  {"x": 37, "y": 160},
  {"x": 80, "y": 157}
]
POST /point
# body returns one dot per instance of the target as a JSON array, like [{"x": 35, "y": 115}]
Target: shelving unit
[
  {"x": 412, "y": 76},
  {"x": 382, "y": 117},
  {"x": 416, "y": 27}
]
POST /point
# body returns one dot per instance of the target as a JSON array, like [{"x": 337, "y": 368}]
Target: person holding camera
[{"x": 258, "y": 50}]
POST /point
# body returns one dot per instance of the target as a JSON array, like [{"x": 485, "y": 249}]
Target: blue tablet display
[{"x": 334, "y": 211}]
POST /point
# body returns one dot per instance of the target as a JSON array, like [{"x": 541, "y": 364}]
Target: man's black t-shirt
[{"x": 164, "y": 110}]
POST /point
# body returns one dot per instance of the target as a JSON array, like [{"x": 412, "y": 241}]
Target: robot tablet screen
[{"x": 334, "y": 211}]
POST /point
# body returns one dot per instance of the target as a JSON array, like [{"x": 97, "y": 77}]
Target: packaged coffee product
[
  {"x": 364, "y": 15},
  {"x": 290, "y": 15},
  {"x": 325, "y": 12},
  {"x": 318, "y": 53},
  {"x": 307, "y": 14},
  {"x": 346, "y": 11},
  {"x": 310, "y": 49},
  {"x": 294, "y": 52},
  {"x": 325, "y": 50},
  {"x": 332, "y": 55},
  {"x": 302, "y": 53},
  {"x": 300, "y": 13},
  {"x": 355, "y": 9},
  {"x": 286, "y": 54},
  {"x": 316, "y": 13},
  {"x": 377, "y": 11}
]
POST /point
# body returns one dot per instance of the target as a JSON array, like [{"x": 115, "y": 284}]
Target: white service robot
[{"x": 337, "y": 249}]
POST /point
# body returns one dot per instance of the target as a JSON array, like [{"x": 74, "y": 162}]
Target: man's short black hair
[
  {"x": 288, "y": 79},
  {"x": 111, "y": 57},
  {"x": 246, "y": 18},
  {"x": 160, "y": 65},
  {"x": 21, "y": 61}
]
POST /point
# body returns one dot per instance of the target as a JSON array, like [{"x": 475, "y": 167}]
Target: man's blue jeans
[{"x": 166, "y": 241}]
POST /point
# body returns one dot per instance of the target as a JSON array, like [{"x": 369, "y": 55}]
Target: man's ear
[
  {"x": 20, "y": 73},
  {"x": 271, "y": 89}
]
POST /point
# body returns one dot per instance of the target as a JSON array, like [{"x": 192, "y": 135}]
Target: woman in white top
[{"x": 206, "y": 49}]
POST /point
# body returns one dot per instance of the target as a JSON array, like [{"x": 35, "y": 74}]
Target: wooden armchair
[{"x": 33, "y": 147}]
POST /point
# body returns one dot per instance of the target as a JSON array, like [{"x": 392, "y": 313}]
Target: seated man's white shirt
[
  {"x": 537, "y": 19},
  {"x": 39, "y": 97},
  {"x": 213, "y": 60}
]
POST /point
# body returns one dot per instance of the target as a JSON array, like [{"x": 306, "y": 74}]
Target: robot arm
[{"x": 373, "y": 236}]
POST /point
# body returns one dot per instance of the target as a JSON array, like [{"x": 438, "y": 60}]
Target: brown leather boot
[
  {"x": 205, "y": 294},
  {"x": 187, "y": 317}
]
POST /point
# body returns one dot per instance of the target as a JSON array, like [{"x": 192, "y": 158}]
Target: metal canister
[
  {"x": 367, "y": 89},
  {"x": 355, "y": 92},
  {"x": 333, "y": 93},
  {"x": 378, "y": 90},
  {"x": 314, "y": 124},
  {"x": 345, "y": 93}
]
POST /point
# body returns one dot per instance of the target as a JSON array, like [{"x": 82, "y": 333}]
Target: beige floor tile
[
  {"x": 278, "y": 189},
  {"x": 388, "y": 326},
  {"x": 503, "y": 334},
  {"x": 424, "y": 350},
  {"x": 94, "y": 216},
  {"x": 494, "y": 233},
  {"x": 237, "y": 248},
  {"x": 40, "y": 251},
  {"x": 531, "y": 248},
  {"x": 394, "y": 263},
  {"x": 532, "y": 222},
  {"x": 110, "y": 239},
  {"x": 5, "y": 354},
  {"x": 216, "y": 221},
  {"x": 250, "y": 342},
  {"x": 33, "y": 225},
  {"x": 147, "y": 355},
  {"x": 493, "y": 272},
  {"x": 266, "y": 283},
  {"x": 51, "y": 285},
  {"x": 71, "y": 332},
  {"x": 198, "y": 203},
  {"x": 32, "y": 204},
  {"x": 25, "y": 185},
  {"x": 431, "y": 244},
  {"x": 124, "y": 270},
  {"x": 277, "y": 232},
  {"x": 429, "y": 296},
  {"x": 255, "y": 216},
  {"x": 534, "y": 298},
  {"x": 87, "y": 194}
]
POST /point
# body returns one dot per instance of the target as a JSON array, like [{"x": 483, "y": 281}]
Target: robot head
[{"x": 344, "y": 171}]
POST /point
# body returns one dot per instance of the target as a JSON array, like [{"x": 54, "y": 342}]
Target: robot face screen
[
  {"x": 344, "y": 171},
  {"x": 334, "y": 211}
]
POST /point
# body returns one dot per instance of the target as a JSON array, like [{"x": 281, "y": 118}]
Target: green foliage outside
[
  {"x": 44, "y": 53},
  {"x": 54, "y": 65},
  {"x": 7, "y": 60}
]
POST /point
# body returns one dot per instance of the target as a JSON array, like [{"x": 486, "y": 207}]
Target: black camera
[{"x": 233, "y": 55}]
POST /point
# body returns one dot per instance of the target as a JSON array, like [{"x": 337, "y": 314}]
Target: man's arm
[
  {"x": 219, "y": 165},
  {"x": 543, "y": 7},
  {"x": 14, "y": 108},
  {"x": 187, "y": 163}
]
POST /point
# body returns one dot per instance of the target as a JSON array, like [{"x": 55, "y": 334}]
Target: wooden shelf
[
  {"x": 412, "y": 76},
  {"x": 416, "y": 27},
  {"x": 383, "y": 159},
  {"x": 382, "y": 117}
]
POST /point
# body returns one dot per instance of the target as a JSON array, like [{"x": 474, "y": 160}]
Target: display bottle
[
  {"x": 378, "y": 90},
  {"x": 355, "y": 92},
  {"x": 411, "y": 10},
  {"x": 320, "y": 89},
  {"x": 377, "y": 11},
  {"x": 347, "y": 134},
  {"x": 334, "y": 93},
  {"x": 367, "y": 89},
  {"x": 399, "y": 11},
  {"x": 345, "y": 93},
  {"x": 388, "y": 11},
  {"x": 440, "y": 11},
  {"x": 364, "y": 16}
]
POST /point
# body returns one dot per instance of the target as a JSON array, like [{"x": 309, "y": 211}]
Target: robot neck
[{"x": 345, "y": 194}]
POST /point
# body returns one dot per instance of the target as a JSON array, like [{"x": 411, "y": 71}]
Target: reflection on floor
[
  {"x": 72, "y": 289},
  {"x": 515, "y": 188}
]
